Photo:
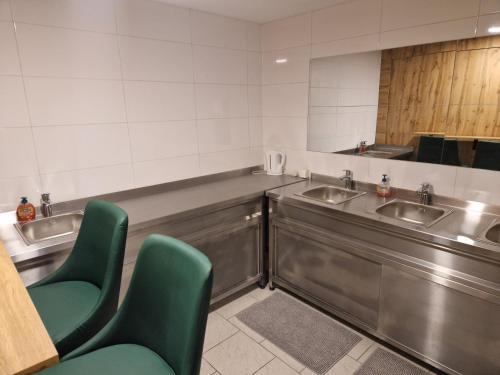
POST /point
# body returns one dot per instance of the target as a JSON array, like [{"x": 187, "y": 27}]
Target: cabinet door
[
  {"x": 453, "y": 328},
  {"x": 34, "y": 270},
  {"x": 234, "y": 253},
  {"x": 326, "y": 271}
]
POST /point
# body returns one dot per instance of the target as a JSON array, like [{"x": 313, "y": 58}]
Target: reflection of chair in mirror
[
  {"x": 487, "y": 155},
  {"x": 450, "y": 152},
  {"x": 430, "y": 149}
]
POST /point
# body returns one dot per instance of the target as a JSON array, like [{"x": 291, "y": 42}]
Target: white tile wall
[
  {"x": 13, "y": 109},
  {"x": 287, "y": 33},
  {"x": 5, "y": 13},
  {"x": 487, "y": 21},
  {"x": 162, "y": 140},
  {"x": 213, "y": 64},
  {"x": 9, "y": 61},
  {"x": 156, "y": 60},
  {"x": 99, "y": 96},
  {"x": 56, "y": 52},
  {"x": 93, "y": 15},
  {"x": 219, "y": 101},
  {"x": 218, "y": 31},
  {"x": 490, "y": 6},
  {"x": 399, "y": 14},
  {"x": 62, "y": 101},
  {"x": 81, "y": 146},
  {"x": 152, "y": 19},
  {"x": 164, "y": 74},
  {"x": 359, "y": 26},
  {"x": 347, "y": 20},
  {"x": 159, "y": 101}
]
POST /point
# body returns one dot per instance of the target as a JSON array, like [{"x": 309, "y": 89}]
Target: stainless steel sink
[
  {"x": 331, "y": 194},
  {"x": 50, "y": 227},
  {"x": 411, "y": 212},
  {"x": 493, "y": 233}
]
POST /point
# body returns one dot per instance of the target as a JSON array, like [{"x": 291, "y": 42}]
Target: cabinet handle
[{"x": 253, "y": 216}]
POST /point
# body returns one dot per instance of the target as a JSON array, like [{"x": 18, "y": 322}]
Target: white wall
[
  {"x": 99, "y": 96},
  {"x": 358, "y": 26}
]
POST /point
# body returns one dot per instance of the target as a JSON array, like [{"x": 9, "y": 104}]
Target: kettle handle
[{"x": 282, "y": 163}]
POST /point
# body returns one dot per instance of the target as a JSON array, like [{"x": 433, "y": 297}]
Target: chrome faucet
[
  {"x": 347, "y": 178},
  {"x": 424, "y": 193},
  {"x": 46, "y": 205}
]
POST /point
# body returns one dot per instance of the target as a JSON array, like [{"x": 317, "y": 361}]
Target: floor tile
[
  {"x": 246, "y": 329},
  {"x": 285, "y": 357},
  {"x": 368, "y": 353},
  {"x": 218, "y": 329},
  {"x": 206, "y": 369},
  {"x": 234, "y": 307},
  {"x": 307, "y": 371},
  {"x": 238, "y": 355},
  {"x": 276, "y": 367},
  {"x": 346, "y": 366},
  {"x": 360, "y": 348},
  {"x": 261, "y": 294}
]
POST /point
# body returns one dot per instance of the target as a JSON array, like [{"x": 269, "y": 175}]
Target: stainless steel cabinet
[
  {"x": 36, "y": 269},
  {"x": 436, "y": 303},
  {"x": 328, "y": 270},
  {"x": 230, "y": 235},
  {"x": 455, "y": 328}
]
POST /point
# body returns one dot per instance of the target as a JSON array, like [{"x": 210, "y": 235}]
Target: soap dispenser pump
[{"x": 384, "y": 187}]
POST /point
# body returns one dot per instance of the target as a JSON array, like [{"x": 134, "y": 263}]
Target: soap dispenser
[
  {"x": 25, "y": 211},
  {"x": 384, "y": 187}
]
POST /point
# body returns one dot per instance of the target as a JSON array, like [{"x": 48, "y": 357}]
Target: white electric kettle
[{"x": 275, "y": 161}]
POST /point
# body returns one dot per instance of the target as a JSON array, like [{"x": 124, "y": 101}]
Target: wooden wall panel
[{"x": 451, "y": 88}]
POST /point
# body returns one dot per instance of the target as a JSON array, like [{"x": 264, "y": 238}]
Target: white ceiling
[{"x": 259, "y": 11}]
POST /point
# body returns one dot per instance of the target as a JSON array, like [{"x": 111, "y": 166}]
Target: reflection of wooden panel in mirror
[{"x": 450, "y": 87}]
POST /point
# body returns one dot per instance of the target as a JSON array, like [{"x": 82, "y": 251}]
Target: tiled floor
[{"x": 231, "y": 348}]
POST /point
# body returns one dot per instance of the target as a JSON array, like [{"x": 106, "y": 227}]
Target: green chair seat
[
  {"x": 64, "y": 306},
  {"x": 124, "y": 359}
]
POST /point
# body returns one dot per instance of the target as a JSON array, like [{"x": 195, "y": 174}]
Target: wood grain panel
[
  {"x": 25, "y": 346},
  {"x": 450, "y": 87},
  {"x": 474, "y": 121},
  {"x": 477, "y": 77}
]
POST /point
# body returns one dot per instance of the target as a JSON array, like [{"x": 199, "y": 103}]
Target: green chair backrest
[
  {"x": 97, "y": 256},
  {"x": 168, "y": 300},
  {"x": 166, "y": 306}
]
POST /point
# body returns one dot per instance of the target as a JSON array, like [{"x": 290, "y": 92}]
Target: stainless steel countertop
[
  {"x": 461, "y": 230},
  {"x": 152, "y": 205}
]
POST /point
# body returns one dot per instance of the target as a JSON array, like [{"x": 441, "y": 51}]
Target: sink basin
[
  {"x": 411, "y": 212},
  {"x": 50, "y": 227},
  {"x": 331, "y": 194},
  {"x": 493, "y": 233}
]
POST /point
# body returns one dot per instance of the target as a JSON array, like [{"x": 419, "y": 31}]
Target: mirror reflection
[{"x": 435, "y": 103}]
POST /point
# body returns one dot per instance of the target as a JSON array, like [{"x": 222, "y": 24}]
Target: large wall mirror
[{"x": 436, "y": 103}]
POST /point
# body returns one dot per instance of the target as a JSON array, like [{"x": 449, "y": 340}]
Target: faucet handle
[
  {"x": 45, "y": 198},
  {"x": 348, "y": 172},
  {"x": 425, "y": 187}
]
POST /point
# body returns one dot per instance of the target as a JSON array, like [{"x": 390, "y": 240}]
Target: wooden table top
[{"x": 25, "y": 345}]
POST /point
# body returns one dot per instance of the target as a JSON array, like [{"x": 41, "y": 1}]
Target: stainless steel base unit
[
  {"x": 230, "y": 235},
  {"x": 437, "y": 303}
]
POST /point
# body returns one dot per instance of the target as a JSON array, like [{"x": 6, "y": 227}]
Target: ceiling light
[
  {"x": 281, "y": 61},
  {"x": 494, "y": 29}
]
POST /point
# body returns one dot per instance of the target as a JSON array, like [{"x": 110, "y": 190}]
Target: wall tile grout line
[{"x": 35, "y": 148}]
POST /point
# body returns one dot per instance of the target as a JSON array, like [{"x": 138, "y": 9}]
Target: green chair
[
  {"x": 80, "y": 297},
  {"x": 160, "y": 327}
]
